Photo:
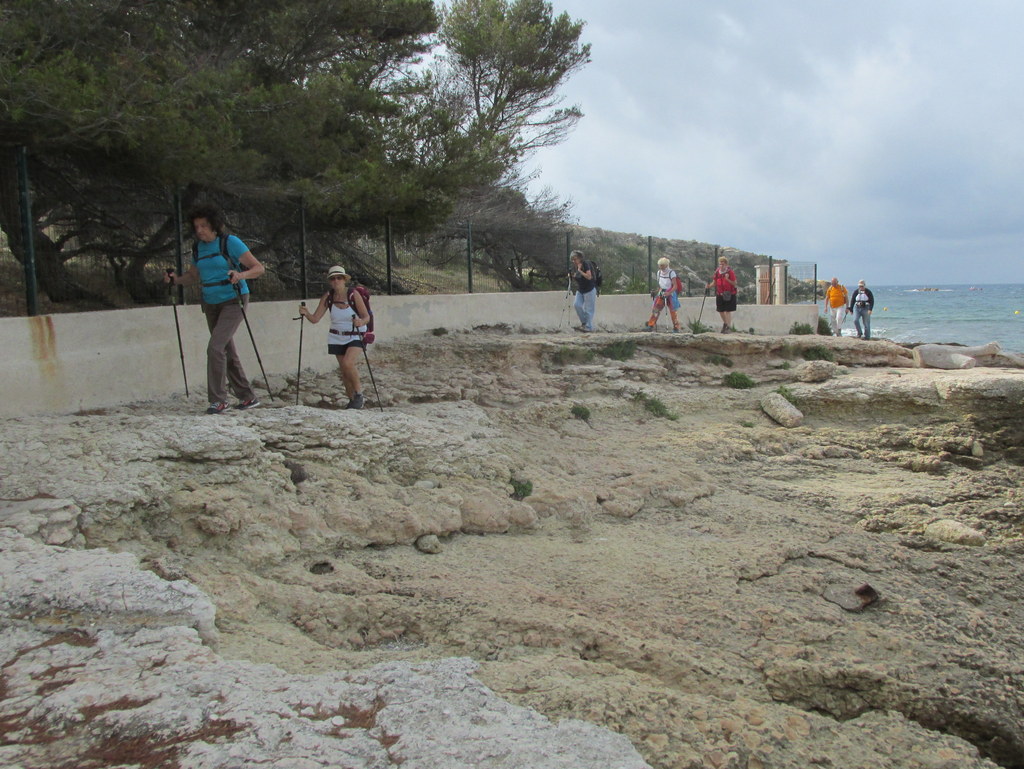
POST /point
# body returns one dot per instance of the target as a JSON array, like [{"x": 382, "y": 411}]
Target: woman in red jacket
[{"x": 724, "y": 282}]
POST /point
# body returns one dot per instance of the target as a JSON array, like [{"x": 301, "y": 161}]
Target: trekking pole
[
  {"x": 298, "y": 371},
  {"x": 565, "y": 306},
  {"x": 177, "y": 328},
  {"x": 368, "y": 366},
  {"x": 241, "y": 306},
  {"x": 702, "y": 307}
]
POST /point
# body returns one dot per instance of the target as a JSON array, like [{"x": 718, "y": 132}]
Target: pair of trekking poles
[
  {"x": 181, "y": 349},
  {"x": 298, "y": 373},
  {"x": 702, "y": 301}
]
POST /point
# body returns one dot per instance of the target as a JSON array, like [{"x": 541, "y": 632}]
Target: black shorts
[
  {"x": 341, "y": 349},
  {"x": 721, "y": 305}
]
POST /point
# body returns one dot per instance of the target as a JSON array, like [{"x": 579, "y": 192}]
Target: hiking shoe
[
  {"x": 249, "y": 404},
  {"x": 356, "y": 402},
  {"x": 217, "y": 408},
  {"x": 675, "y": 330},
  {"x": 648, "y": 327}
]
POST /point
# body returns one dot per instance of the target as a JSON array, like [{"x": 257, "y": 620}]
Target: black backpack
[
  {"x": 598, "y": 277},
  {"x": 222, "y": 241}
]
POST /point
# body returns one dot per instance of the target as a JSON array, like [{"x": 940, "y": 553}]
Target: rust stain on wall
[{"x": 44, "y": 344}]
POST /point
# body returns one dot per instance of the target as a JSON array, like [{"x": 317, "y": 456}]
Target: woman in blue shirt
[{"x": 221, "y": 264}]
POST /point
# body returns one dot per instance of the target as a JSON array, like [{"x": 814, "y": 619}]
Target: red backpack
[
  {"x": 364, "y": 292},
  {"x": 677, "y": 283}
]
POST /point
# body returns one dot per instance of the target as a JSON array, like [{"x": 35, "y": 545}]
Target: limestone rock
[
  {"x": 952, "y": 356},
  {"x": 428, "y": 543},
  {"x": 74, "y": 588},
  {"x": 948, "y": 530},
  {"x": 816, "y": 371},
  {"x": 781, "y": 410}
]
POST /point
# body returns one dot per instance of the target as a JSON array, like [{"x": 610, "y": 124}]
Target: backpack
[
  {"x": 222, "y": 241},
  {"x": 598, "y": 277},
  {"x": 677, "y": 283},
  {"x": 364, "y": 292}
]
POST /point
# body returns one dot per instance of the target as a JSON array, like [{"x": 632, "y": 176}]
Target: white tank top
[{"x": 341, "y": 325}]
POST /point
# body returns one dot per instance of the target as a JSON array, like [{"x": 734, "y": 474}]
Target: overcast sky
[{"x": 882, "y": 139}]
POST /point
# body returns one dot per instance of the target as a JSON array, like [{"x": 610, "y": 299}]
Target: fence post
[
  {"x": 469, "y": 256},
  {"x": 302, "y": 247},
  {"x": 25, "y": 200},
  {"x": 387, "y": 255},
  {"x": 650, "y": 263}
]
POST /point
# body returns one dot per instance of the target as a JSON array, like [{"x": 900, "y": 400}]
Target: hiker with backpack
[
  {"x": 725, "y": 285},
  {"x": 221, "y": 264},
  {"x": 348, "y": 334},
  {"x": 585, "y": 274},
  {"x": 669, "y": 288}
]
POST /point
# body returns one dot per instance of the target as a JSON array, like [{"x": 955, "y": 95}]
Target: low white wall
[{"x": 79, "y": 361}]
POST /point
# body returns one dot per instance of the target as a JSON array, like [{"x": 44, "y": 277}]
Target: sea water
[{"x": 959, "y": 314}]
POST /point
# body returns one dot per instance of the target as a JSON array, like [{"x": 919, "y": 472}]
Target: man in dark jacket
[{"x": 862, "y": 302}]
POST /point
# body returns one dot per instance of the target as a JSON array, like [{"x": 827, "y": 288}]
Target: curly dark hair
[{"x": 211, "y": 214}]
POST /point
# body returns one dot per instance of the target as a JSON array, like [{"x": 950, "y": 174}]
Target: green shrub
[
  {"x": 622, "y": 350},
  {"x": 567, "y": 356},
  {"x": 520, "y": 489},
  {"x": 696, "y": 327},
  {"x": 746, "y": 423},
  {"x": 818, "y": 352},
  {"x": 655, "y": 406},
  {"x": 785, "y": 366},
  {"x": 786, "y": 393},
  {"x": 441, "y": 331},
  {"x": 718, "y": 360},
  {"x": 801, "y": 328},
  {"x": 580, "y": 412},
  {"x": 738, "y": 381},
  {"x": 824, "y": 327}
]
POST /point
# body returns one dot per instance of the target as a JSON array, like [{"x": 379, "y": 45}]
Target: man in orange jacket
[{"x": 836, "y": 301}]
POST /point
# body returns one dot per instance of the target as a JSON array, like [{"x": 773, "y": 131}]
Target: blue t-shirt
[{"x": 213, "y": 269}]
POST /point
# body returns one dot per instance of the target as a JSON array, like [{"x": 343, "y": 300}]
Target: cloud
[{"x": 836, "y": 133}]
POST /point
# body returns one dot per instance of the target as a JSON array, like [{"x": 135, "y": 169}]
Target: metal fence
[{"x": 459, "y": 261}]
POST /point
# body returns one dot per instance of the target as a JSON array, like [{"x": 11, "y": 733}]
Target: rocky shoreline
[{"x": 547, "y": 550}]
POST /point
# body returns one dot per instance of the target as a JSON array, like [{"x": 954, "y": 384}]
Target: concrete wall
[{"x": 79, "y": 361}]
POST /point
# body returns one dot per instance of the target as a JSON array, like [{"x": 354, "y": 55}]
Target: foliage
[
  {"x": 715, "y": 359},
  {"x": 655, "y": 406},
  {"x": 624, "y": 349},
  {"x": 786, "y": 393},
  {"x": 439, "y": 331},
  {"x": 817, "y": 352},
  {"x": 801, "y": 329},
  {"x": 579, "y": 411},
  {"x": 738, "y": 380},
  {"x": 696, "y": 327},
  {"x": 506, "y": 60},
  {"x": 256, "y": 106},
  {"x": 568, "y": 356},
  {"x": 824, "y": 328},
  {"x": 520, "y": 489}
]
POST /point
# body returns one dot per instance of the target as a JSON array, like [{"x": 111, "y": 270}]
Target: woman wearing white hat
[{"x": 349, "y": 317}]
